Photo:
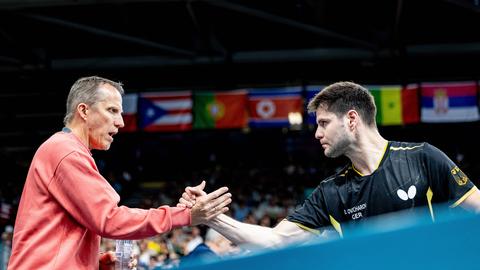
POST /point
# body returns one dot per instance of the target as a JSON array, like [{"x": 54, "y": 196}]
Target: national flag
[
  {"x": 311, "y": 91},
  {"x": 449, "y": 102},
  {"x": 165, "y": 111},
  {"x": 273, "y": 107},
  {"x": 129, "y": 104},
  {"x": 227, "y": 109},
  {"x": 396, "y": 105}
]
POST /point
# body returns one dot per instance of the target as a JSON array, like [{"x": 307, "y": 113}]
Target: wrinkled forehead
[{"x": 108, "y": 93}]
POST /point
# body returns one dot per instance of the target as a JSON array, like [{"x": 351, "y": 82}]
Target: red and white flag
[
  {"x": 130, "y": 112},
  {"x": 166, "y": 111}
]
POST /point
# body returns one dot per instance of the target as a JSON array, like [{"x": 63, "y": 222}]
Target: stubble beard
[{"x": 339, "y": 148}]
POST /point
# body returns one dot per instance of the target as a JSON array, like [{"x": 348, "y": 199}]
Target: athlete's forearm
[
  {"x": 243, "y": 233},
  {"x": 472, "y": 202}
]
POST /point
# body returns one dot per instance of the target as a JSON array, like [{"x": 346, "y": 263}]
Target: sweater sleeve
[{"x": 91, "y": 201}]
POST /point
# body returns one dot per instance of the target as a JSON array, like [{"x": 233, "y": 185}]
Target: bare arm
[
  {"x": 210, "y": 205},
  {"x": 285, "y": 232},
  {"x": 243, "y": 233},
  {"x": 472, "y": 202}
]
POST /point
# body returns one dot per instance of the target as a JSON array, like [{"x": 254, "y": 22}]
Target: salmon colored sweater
[{"x": 67, "y": 206}]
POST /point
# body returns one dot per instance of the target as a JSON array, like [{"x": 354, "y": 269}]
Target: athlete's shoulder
[
  {"x": 406, "y": 146},
  {"x": 409, "y": 150}
]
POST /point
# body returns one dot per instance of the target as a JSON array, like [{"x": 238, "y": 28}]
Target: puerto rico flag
[
  {"x": 129, "y": 105},
  {"x": 449, "y": 102},
  {"x": 166, "y": 111},
  {"x": 272, "y": 107}
]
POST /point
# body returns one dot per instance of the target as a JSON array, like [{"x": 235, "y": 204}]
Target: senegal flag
[
  {"x": 396, "y": 105},
  {"x": 220, "y": 109}
]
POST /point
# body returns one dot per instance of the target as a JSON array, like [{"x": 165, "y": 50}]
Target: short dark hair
[
  {"x": 341, "y": 97},
  {"x": 85, "y": 90}
]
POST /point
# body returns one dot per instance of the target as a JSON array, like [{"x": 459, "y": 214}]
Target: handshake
[{"x": 205, "y": 206}]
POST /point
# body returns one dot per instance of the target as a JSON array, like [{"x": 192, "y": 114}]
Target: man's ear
[
  {"x": 82, "y": 110},
  {"x": 353, "y": 119}
]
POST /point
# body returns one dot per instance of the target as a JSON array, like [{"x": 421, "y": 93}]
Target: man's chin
[
  {"x": 104, "y": 147},
  {"x": 331, "y": 154}
]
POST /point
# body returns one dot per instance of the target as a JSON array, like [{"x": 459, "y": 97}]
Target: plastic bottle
[{"x": 123, "y": 251}]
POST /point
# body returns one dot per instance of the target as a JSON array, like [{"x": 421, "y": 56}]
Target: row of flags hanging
[{"x": 284, "y": 107}]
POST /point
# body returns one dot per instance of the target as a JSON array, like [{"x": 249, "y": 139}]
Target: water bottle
[{"x": 123, "y": 250}]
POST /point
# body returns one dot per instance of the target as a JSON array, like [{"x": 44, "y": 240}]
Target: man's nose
[
  {"x": 318, "y": 134},
  {"x": 119, "y": 122}
]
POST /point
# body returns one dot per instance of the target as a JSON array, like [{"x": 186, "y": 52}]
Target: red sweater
[{"x": 66, "y": 206}]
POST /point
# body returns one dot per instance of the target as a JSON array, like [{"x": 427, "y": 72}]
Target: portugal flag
[{"x": 220, "y": 109}]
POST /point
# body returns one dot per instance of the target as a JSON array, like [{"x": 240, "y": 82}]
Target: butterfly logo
[{"x": 410, "y": 194}]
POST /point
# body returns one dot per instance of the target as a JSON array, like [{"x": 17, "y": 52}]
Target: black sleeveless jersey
[{"x": 409, "y": 175}]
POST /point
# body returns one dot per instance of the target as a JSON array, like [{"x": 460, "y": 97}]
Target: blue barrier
[{"x": 402, "y": 241}]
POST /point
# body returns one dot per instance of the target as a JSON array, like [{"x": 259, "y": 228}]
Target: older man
[{"x": 67, "y": 206}]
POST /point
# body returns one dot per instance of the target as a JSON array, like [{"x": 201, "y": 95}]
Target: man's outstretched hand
[
  {"x": 205, "y": 206},
  {"x": 190, "y": 195}
]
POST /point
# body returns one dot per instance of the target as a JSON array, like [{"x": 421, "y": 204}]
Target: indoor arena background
[{"x": 250, "y": 50}]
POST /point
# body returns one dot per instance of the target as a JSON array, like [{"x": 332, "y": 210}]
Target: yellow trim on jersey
[
  {"x": 336, "y": 225},
  {"x": 353, "y": 167},
  {"x": 429, "y": 201},
  {"x": 378, "y": 164},
  {"x": 405, "y": 148},
  {"x": 473, "y": 189},
  {"x": 383, "y": 155},
  {"x": 307, "y": 228}
]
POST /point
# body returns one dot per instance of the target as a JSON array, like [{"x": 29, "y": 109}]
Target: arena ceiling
[
  {"x": 200, "y": 43},
  {"x": 217, "y": 44}
]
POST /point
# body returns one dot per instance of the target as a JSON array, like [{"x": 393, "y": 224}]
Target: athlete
[
  {"x": 383, "y": 176},
  {"x": 66, "y": 205}
]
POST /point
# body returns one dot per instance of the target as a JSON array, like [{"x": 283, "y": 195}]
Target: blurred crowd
[{"x": 177, "y": 247}]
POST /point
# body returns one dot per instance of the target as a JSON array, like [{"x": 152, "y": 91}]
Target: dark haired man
[{"x": 383, "y": 176}]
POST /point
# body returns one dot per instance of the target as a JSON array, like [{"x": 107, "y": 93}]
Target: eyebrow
[
  {"x": 116, "y": 107},
  {"x": 323, "y": 119}
]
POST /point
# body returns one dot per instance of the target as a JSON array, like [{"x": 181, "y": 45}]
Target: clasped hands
[{"x": 205, "y": 206}]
